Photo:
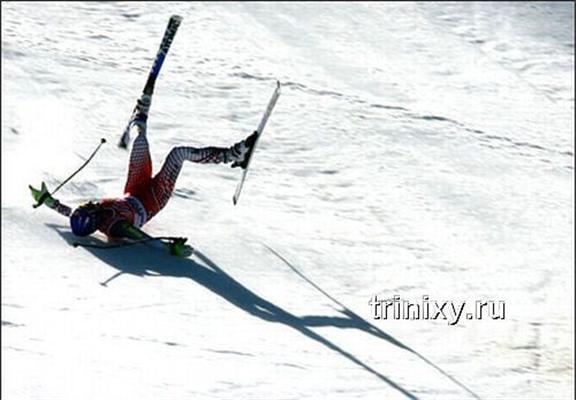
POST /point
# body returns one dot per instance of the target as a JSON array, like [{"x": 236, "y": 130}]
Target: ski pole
[{"x": 45, "y": 195}]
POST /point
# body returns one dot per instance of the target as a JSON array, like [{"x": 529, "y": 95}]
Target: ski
[
  {"x": 169, "y": 34},
  {"x": 260, "y": 129}
]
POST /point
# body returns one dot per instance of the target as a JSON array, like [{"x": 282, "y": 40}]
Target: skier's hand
[
  {"x": 177, "y": 247},
  {"x": 42, "y": 196}
]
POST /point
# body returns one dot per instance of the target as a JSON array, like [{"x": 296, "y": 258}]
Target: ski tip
[{"x": 176, "y": 18}]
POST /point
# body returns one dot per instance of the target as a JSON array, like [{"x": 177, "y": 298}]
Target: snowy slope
[{"x": 417, "y": 149}]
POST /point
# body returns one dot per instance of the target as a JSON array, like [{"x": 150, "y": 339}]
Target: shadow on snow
[{"x": 151, "y": 262}]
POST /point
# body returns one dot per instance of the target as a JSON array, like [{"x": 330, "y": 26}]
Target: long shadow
[
  {"x": 144, "y": 261},
  {"x": 353, "y": 320}
]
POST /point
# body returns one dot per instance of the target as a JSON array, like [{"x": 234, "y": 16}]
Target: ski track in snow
[{"x": 416, "y": 149}]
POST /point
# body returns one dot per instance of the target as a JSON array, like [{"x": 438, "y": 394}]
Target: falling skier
[{"x": 145, "y": 195}]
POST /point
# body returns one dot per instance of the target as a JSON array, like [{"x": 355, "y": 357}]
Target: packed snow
[{"x": 417, "y": 149}]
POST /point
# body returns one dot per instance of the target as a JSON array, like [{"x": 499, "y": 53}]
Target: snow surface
[{"x": 417, "y": 149}]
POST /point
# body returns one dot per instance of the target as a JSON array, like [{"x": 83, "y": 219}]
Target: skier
[{"x": 144, "y": 195}]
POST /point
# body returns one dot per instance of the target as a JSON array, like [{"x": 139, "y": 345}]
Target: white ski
[{"x": 260, "y": 129}]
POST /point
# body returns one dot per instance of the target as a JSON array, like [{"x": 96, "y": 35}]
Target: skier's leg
[
  {"x": 163, "y": 183},
  {"x": 140, "y": 167}
]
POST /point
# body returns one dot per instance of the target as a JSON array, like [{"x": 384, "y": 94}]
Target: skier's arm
[
  {"x": 127, "y": 230},
  {"x": 42, "y": 195}
]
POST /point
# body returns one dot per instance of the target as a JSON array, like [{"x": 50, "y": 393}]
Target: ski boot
[{"x": 242, "y": 151}]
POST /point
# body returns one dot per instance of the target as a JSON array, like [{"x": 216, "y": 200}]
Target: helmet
[{"x": 85, "y": 219}]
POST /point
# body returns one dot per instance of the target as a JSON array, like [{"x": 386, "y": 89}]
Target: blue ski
[{"x": 169, "y": 34}]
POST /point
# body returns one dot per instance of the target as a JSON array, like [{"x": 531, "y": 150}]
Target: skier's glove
[
  {"x": 42, "y": 196},
  {"x": 177, "y": 247}
]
